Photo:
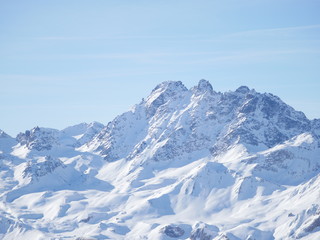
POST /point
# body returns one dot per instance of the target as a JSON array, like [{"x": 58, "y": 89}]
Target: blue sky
[{"x": 66, "y": 62}]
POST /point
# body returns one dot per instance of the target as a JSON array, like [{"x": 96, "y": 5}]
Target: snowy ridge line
[{"x": 182, "y": 164}]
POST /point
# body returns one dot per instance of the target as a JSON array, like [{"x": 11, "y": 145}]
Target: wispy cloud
[
  {"x": 236, "y": 57},
  {"x": 133, "y": 56},
  {"x": 141, "y": 56},
  {"x": 173, "y": 57},
  {"x": 266, "y": 31},
  {"x": 63, "y": 80},
  {"x": 275, "y": 30},
  {"x": 114, "y": 37}
]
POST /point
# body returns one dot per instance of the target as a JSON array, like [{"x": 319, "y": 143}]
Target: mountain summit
[
  {"x": 179, "y": 121},
  {"x": 182, "y": 164}
]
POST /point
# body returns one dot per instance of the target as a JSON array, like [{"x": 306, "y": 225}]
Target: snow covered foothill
[{"x": 183, "y": 163}]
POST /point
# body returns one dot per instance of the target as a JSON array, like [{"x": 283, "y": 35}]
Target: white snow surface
[{"x": 183, "y": 164}]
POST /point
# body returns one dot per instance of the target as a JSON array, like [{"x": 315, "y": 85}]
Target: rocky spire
[{"x": 203, "y": 86}]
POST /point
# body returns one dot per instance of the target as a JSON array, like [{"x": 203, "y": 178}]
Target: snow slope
[{"x": 181, "y": 164}]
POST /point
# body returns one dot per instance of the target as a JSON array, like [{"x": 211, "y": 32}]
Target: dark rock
[
  {"x": 243, "y": 90},
  {"x": 200, "y": 234},
  {"x": 204, "y": 86},
  {"x": 173, "y": 231},
  {"x": 42, "y": 168},
  {"x": 313, "y": 225}
]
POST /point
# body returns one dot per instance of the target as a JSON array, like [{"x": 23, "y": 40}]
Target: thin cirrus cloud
[
  {"x": 279, "y": 30},
  {"x": 169, "y": 58},
  {"x": 267, "y": 32},
  {"x": 114, "y": 37},
  {"x": 194, "y": 57},
  {"x": 30, "y": 80},
  {"x": 243, "y": 57},
  {"x": 158, "y": 55},
  {"x": 257, "y": 32}
]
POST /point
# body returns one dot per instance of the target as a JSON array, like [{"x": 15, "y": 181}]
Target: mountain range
[{"x": 183, "y": 163}]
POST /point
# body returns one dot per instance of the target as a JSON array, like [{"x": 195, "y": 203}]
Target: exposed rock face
[
  {"x": 202, "y": 231},
  {"x": 173, "y": 231},
  {"x": 44, "y": 139},
  {"x": 41, "y": 167},
  {"x": 39, "y": 139},
  {"x": 178, "y": 121}
]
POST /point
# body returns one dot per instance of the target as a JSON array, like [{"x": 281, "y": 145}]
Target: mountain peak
[
  {"x": 162, "y": 93},
  {"x": 170, "y": 86},
  {"x": 204, "y": 85},
  {"x": 95, "y": 123},
  {"x": 35, "y": 129},
  {"x": 243, "y": 89}
]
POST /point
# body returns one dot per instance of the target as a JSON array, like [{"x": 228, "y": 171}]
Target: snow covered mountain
[{"x": 182, "y": 164}]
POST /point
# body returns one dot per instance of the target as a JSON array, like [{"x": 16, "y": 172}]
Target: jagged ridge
[{"x": 183, "y": 163}]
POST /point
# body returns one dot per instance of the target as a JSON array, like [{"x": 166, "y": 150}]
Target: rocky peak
[
  {"x": 36, "y": 129},
  {"x": 264, "y": 119},
  {"x": 243, "y": 90},
  {"x": 170, "y": 86},
  {"x": 204, "y": 86},
  {"x": 177, "y": 121},
  {"x": 163, "y": 93},
  {"x": 38, "y": 138}
]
